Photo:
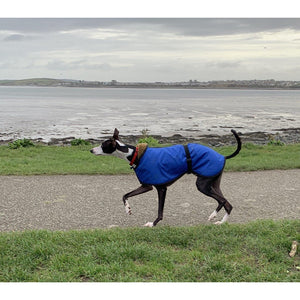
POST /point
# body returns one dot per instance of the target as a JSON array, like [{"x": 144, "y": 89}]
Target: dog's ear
[{"x": 116, "y": 134}]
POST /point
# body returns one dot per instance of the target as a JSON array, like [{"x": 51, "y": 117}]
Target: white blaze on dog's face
[
  {"x": 122, "y": 151},
  {"x": 97, "y": 151}
]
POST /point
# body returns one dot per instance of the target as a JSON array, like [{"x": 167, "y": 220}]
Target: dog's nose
[{"x": 91, "y": 151}]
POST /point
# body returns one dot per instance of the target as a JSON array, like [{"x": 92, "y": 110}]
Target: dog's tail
[{"x": 239, "y": 146}]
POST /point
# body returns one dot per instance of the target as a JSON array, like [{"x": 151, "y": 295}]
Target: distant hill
[{"x": 33, "y": 82}]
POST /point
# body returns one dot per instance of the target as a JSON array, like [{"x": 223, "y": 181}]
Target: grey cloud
[
  {"x": 182, "y": 26},
  {"x": 143, "y": 49},
  {"x": 102, "y": 67},
  {"x": 14, "y": 37},
  {"x": 78, "y": 64},
  {"x": 48, "y": 25},
  {"x": 5, "y": 65},
  {"x": 224, "y": 64},
  {"x": 42, "y": 25},
  {"x": 62, "y": 65},
  {"x": 225, "y": 26}
]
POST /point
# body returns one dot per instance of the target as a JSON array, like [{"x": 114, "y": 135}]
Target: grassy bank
[
  {"x": 256, "y": 251},
  {"x": 78, "y": 160}
]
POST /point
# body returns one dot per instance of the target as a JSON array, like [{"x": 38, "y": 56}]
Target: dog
[{"x": 161, "y": 167}]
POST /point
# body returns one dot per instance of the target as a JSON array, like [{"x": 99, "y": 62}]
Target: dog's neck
[{"x": 124, "y": 151}]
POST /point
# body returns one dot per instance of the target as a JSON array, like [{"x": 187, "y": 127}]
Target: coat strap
[{"x": 188, "y": 159}]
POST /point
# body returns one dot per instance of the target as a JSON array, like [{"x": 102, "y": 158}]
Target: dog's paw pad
[{"x": 149, "y": 224}]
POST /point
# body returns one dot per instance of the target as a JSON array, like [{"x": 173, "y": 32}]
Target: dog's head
[{"x": 110, "y": 147}]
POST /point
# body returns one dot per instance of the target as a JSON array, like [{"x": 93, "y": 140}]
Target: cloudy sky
[{"x": 150, "y": 49}]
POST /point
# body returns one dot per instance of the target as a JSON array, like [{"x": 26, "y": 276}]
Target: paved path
[{"x": 80, "y": 202}]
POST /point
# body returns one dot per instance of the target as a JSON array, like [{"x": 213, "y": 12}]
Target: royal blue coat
[{"x": 163, "y": 165}]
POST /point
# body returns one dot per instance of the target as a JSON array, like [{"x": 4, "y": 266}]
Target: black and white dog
[{"x": 161, "y": 167}]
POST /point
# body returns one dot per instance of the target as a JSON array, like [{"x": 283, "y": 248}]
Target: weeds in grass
[
  {"x": 79, "y": 142},
  {"x": 151, "y": 141},
  {"x": 21, "y": 143},
  {"x": 275, "y": 142}
]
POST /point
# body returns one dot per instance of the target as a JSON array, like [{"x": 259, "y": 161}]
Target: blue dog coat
[{"x": 162, "y": 165}]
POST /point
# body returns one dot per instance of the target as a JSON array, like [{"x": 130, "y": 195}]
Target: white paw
[
  {"x": 218, "y": 223},
  {"x": 127, "y": 208},
  {"x": 224, "y": 220},
  {"x": 149, "y": 224},
  {"x": 212, "y": 216}
]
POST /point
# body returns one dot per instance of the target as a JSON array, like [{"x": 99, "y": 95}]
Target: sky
[{"x": 150, "y": 49}]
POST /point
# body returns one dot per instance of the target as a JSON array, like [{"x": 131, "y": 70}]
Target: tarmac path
[{"x": 67, "y": 202}]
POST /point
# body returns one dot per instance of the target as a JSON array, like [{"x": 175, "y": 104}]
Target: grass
[
  {"x": 53, "y": 160},
  {"x": 268, "y": 157},
  {"x": 253, "y": 252}
]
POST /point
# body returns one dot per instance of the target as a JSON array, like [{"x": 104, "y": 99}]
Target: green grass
[
  {"x": 269, "y": 157},
  {"x": 53, "y": 160},
  {"x": 78, "y": 160},
  {"x": 255, "y": 252}
]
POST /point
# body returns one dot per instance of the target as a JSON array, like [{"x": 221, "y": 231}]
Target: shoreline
[
  {"x": 191, "y": 84},
  {"x": 284, "y": 135},
  {"x": 171, "y": 87}
]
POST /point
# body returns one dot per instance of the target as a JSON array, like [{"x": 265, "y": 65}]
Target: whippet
[{"x": 161, "y": 167}]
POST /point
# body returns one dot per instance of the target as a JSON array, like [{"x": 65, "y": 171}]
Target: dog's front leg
[
  {"x": 162, "y": 191},
  {"x": 142, "y": 189}
]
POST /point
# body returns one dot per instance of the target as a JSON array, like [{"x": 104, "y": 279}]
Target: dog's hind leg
[
  {"x": 142, "y": 189},
  {"x": 162, "y": 191},
  {"x": 211, "y": 188},
  {"x": 222, "y": 203}
]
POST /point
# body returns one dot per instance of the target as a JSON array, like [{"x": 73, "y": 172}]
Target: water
[{"x": 57, "y": 112}]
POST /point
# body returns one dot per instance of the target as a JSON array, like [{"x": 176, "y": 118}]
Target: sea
[{"x": 59, "y": 112}]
